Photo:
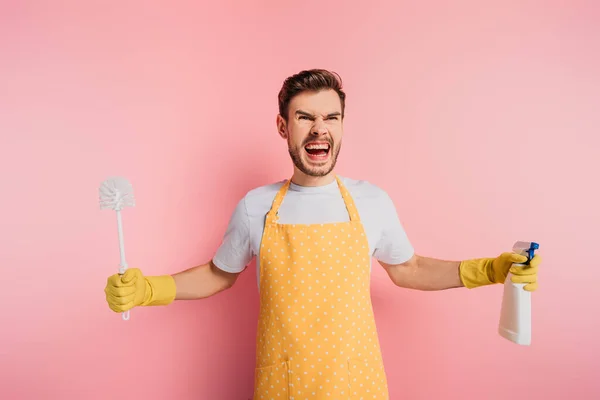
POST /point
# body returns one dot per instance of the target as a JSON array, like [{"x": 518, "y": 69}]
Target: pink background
[{"x": 481, "y": 119}]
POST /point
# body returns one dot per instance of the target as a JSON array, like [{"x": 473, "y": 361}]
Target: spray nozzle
[{"x": 526, "y": 249}]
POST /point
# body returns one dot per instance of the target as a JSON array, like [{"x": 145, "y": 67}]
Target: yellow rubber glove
[
  {"x": 133, "y": 289},
  {"x": 486, "y": 271}
]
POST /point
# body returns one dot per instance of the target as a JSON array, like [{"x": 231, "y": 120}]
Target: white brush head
[{"x": 116, "y": 193}]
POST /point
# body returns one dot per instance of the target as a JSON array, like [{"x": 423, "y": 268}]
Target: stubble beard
[{"x": 307, "y": 169}]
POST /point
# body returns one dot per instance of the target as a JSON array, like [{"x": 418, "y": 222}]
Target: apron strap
[
  {"x": 348, "y": 201},
  {"x": 272, "y": 214}
]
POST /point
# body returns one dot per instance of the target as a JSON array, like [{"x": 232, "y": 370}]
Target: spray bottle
[{"x": 515, "y": 314}]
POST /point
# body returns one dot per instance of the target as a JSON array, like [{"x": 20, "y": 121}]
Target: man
[{"x": 314, "y": 236}]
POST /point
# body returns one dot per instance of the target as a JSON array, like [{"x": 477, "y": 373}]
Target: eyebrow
[{"x": 333, "y": 114}]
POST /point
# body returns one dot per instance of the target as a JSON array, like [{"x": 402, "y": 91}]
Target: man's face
[{"x": 313, "y": 131}]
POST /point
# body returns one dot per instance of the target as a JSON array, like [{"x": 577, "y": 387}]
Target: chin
[
  {"x": 317, "y": 172},
  {"x": 316, "y": 168}
]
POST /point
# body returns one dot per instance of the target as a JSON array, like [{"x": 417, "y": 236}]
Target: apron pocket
[
  {"x": 367, "y": 380},
  {"x": 272, "y": 382}
]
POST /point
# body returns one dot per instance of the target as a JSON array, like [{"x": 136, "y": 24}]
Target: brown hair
[{"x": 309, "y": 80}]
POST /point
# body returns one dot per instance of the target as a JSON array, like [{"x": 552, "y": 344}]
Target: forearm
[
  {"x": 425, "y": 273},
  {"x": 202, "y": 281}
]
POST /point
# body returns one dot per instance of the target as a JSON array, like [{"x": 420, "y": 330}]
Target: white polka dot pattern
[{"x": 317, "y": 337}]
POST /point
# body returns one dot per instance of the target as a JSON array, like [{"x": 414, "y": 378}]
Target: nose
[{"x": 319, "y": 128}]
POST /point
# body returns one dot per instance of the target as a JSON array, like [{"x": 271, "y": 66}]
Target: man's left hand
[
  {"x": 486, "y": 271},
  {"x": 526, "y": 274}
]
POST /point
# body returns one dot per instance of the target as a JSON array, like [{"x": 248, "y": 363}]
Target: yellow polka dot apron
[{"x": 316, "y": 336}]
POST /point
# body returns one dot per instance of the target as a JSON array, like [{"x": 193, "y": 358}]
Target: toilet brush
[{"x": 116, "y": 193}]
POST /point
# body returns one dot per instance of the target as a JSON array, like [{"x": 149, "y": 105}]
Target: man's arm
[
  {"x": 222, "y": 271},
  {"x": 202, "y": 281},
  {"x": 396, "y": 254},
  {"x": 133, "y": 288},
  {"x": 424, "y": 273}
]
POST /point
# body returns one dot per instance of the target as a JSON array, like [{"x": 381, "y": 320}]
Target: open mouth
[{"x": 317, "y": 151}]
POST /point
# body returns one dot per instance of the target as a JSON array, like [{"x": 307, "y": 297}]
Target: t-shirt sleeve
[
  {"x": 393, "y": 246},
  {"x": 235, "y": 252}
]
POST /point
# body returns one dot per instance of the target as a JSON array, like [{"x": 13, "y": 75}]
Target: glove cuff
[
  {"x": 160, "y": 290},
  {"x": 476, "y": 272}
]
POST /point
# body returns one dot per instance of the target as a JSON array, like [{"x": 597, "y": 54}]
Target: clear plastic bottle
[{"x": 515, "y": 314}]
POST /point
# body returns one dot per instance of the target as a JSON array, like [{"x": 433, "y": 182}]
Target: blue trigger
[{"x": 531, "y": 251}]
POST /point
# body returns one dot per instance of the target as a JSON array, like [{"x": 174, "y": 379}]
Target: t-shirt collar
[{"x": 330, "y": 187}]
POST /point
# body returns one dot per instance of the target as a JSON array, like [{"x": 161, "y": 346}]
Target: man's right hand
[
  {"x": 132, "y": 289},
  {"x": 126, "y": 291}
]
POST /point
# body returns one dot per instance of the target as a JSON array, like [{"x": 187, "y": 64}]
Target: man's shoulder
[
  {"x": 266, "y": 190},
  {"x": 261, "y": 197},
  {"x": 360, "y": 186},
  {"x": 360, "y": 189},
  {"x": 364, "y": 189}
]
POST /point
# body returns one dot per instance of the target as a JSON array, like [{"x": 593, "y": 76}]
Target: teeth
[{"x": 317, "y": 146}]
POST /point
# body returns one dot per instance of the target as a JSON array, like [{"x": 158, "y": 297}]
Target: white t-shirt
[{"x": 387, "y": 239}]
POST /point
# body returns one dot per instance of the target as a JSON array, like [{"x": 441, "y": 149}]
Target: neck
[{"x": 301, "y": 179}]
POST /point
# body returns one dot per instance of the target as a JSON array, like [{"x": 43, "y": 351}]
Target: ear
[{"x": 281, "y": 127}]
